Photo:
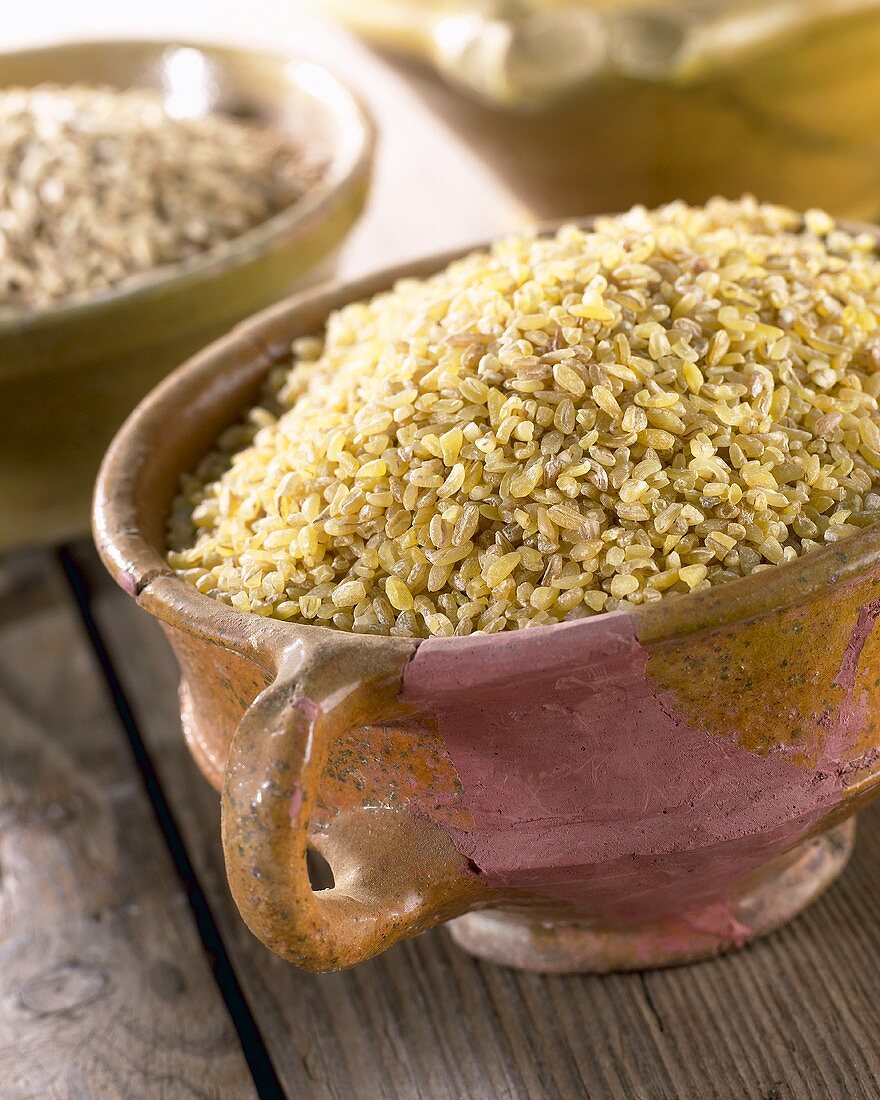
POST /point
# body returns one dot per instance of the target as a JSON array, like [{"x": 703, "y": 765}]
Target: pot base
[{"x": 768, "y": 899}]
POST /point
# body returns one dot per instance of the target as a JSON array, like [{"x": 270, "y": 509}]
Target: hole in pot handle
[{"x": 403, "y": 874}]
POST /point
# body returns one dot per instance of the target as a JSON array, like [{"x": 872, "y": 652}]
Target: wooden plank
[
  {"x": 105, "y": 990},
  {"x": 792, "y": 1017}
]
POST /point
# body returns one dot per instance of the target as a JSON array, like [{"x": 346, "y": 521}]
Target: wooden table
[{"x": 126, "y": 972}]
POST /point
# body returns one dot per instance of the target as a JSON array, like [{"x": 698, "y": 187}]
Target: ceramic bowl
[
  {"x": 638, "y": 788},
  {"x": 69, "y": 375},
  {"x": 586, "y": 106}
]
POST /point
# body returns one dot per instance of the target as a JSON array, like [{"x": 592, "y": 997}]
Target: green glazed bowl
[{"x": 69, "y": 375}]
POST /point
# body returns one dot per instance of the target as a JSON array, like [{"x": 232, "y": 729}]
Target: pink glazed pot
[{"x": 629, "y": 790}]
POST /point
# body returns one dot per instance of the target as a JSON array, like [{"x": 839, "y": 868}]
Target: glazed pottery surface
[
  {"x": 637, "y": 788},
  {"x": 72, "y": 373}
]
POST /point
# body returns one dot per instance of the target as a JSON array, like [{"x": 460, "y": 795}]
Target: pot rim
[
  {"x": 136, "y": 455},
  {"x": 349, "y": 162}
]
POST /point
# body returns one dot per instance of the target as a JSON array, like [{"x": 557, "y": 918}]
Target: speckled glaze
[
  {"x": 630, "y": 790},
  {"x": 73, "y": 372}
]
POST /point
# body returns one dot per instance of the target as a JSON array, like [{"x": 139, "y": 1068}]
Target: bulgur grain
[{"x": 516, "y": 441}]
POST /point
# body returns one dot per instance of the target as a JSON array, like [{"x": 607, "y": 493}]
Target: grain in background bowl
[{"x": 70, "y": 374}]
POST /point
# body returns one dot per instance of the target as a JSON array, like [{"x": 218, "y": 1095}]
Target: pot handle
[{"x": 396, "y": 874}]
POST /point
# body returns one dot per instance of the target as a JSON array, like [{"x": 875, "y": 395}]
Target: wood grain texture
[
  {"x": 104, "y": 988},
  {"x": 791, "y": 1018}
]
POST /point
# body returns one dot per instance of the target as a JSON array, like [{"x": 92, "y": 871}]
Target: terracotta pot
[
  {"x": 633, "y": 789},
  {"x": 73, "y": 372}
]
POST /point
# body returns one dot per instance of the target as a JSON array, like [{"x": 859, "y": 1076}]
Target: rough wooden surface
[
  {"x": 792, "y": 1017},
  {"x": 105, "y": 990}
]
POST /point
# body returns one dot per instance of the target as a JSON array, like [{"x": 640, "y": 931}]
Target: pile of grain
[
  {"x": 555, "y": 428},
  {"x": 97, "y": 185}
]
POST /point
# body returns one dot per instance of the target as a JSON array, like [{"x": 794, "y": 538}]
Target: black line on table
[{"x": 253, "y": 1045}]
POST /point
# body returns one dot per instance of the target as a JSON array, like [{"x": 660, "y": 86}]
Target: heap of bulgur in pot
[{"x": 554, "y": 428}]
